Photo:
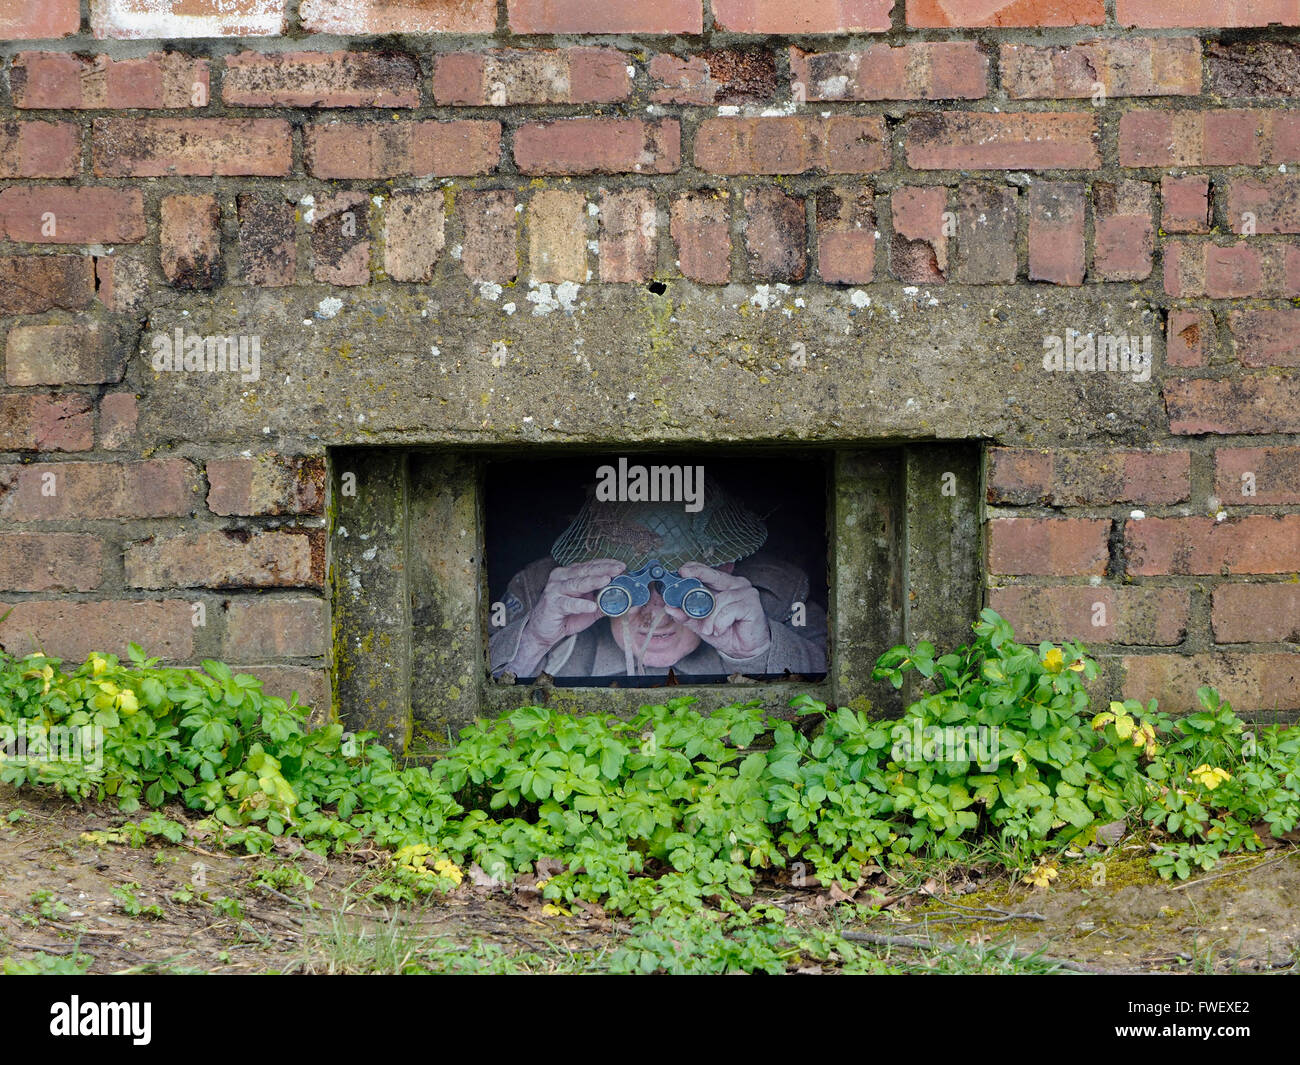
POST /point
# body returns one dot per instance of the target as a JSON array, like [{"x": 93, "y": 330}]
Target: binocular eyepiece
[{"x": 633, "y": 589}]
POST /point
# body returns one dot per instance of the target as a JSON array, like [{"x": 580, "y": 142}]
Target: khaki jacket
[{"x": 593, "y": 653}]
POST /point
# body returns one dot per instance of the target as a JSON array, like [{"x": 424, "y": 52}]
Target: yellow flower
[
  {"x": 1053, "y": 661},
  {"x": 46, "y": 674},
  {"x": 1209, "y": 778},
  {"x": 1042, "y": 874},
  {"x": 1145, "y": 739},
  {"x": 448, "y": 869}
]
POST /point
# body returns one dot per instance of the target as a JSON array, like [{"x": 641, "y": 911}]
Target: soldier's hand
[
  {"x": 567, "y": 604},
  {"x": 738, "y": 627}
]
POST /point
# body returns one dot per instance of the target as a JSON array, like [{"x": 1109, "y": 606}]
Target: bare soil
[{"x": 1107, "y": 911}]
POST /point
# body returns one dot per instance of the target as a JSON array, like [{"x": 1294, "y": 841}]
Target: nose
[{"x": 656, "y": 600}]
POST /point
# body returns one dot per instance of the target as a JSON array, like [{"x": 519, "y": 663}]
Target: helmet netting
[{"x": 634, "y": 533}]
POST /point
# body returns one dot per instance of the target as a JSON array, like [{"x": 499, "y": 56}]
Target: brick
[
  {"x": 33, "y": 284},
  {"x": 489, "y": 250},
  {"x": 39, "y": 149},
  {"x": 1185, "y": 204},
  {"x": 1242, "y": 405},
  {"x": 401, "y": 149},
  {"x": 311, "y": 687},
  {"x": 158, "y": 488},
  {"x": 505, "y": 77},
  {"x": 268, "y": 246},
  {"x": 413, "y": 234},
  {"x": 363, "y": 18},
  {"x": 321, "y": 79},
  {"x": 50, "y": 562},
  {"x": 807, "y": 16},
  {"x": 611, "y": 16},
  {"x": 118, "y": 415},
  {"x": 145, "y": 20},
  {"x": 968, "y": 140},
  {"x": 257, "y": 629},
  {"x": 191, "y": 147},
  {"x": 599, "y": 146},
  {"x": 1053, "y": 547},
  {"x": 62, "y": 81},
  {"x": 1266, "y": 337},
  {"x": 557, "y": 236},
  {"x": 122, "y": 282},
  {"x": 189, "y": 237},
  {"x": 1258, "y": 68},
  {"x": 1226, "y": 271},
  {"x": 73, "y": 630},
  {"x": 53, "y": 214},
  {"x": 231, "y": 558},
  {"x": 846, "y": 235},
  {"x": 986, "y": 235},
  {"x": 1132, "y": 615},
  {"x": 919, "y": 250},
  {"x": 797, "y": 144},
  {"x": 1056, "y": 232},
  {"x": 340, "y": 239},
  {"x": 266, "y": 484},
  {"x": 46, "y": 423},
  {"x": 1224, "y": 14},
  {"x": 776, "y": 235},
  {"x": 1257, "y": 476},
  {"x": 1076, "y": 477},
  {"x": 1264, "y": 205},
  {"x": 1256, "y": 613},
  {"x": 1019, "y": 475},
  {"x": 83, "y": 353},
  {"x": 1227, "y": 137},
  {"x": 1258, "y": 543},
  {"x": 1152, "y": 66},
  {"x": 714, "y": 77},
  {"x": 701, "y": 233},
  {"x": 938, "y": 70},
  {"x": 23, "y": 20},
  {"x": 1188, "y": 337},
  {"x": 926, "y": 13},
  {"x": 628, "y": 235},
  {"x": 1247, "y": 681},
  {"x": 1123, "y": 233}
]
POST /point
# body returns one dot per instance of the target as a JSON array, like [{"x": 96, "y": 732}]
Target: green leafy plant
[
  {"x": 49, "y": 907},
  {"x": 38, "y": 963},
  {"x": 672, "y": 811},
  {"x": 129, "y": 903}
]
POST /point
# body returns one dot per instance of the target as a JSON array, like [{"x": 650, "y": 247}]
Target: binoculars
[{"x": 633, "y": 589}]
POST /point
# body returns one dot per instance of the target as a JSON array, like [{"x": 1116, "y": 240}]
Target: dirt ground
[{"x": 186, "y": 908}]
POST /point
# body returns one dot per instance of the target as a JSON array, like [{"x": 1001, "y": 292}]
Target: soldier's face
[{"x": 669, "y": 640}]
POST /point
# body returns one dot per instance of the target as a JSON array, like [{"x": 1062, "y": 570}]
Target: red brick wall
[{"x": 162, "y": 147}]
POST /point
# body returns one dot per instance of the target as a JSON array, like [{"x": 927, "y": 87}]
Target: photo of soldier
[{"x": 633, "y": 590}]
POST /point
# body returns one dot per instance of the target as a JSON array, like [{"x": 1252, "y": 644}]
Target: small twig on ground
[
  {"x": 1237, "y": 869},
  {"x": 921, "y": 944}
]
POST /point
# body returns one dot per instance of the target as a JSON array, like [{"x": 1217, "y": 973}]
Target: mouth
[{"x": 659, "y": 639}]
